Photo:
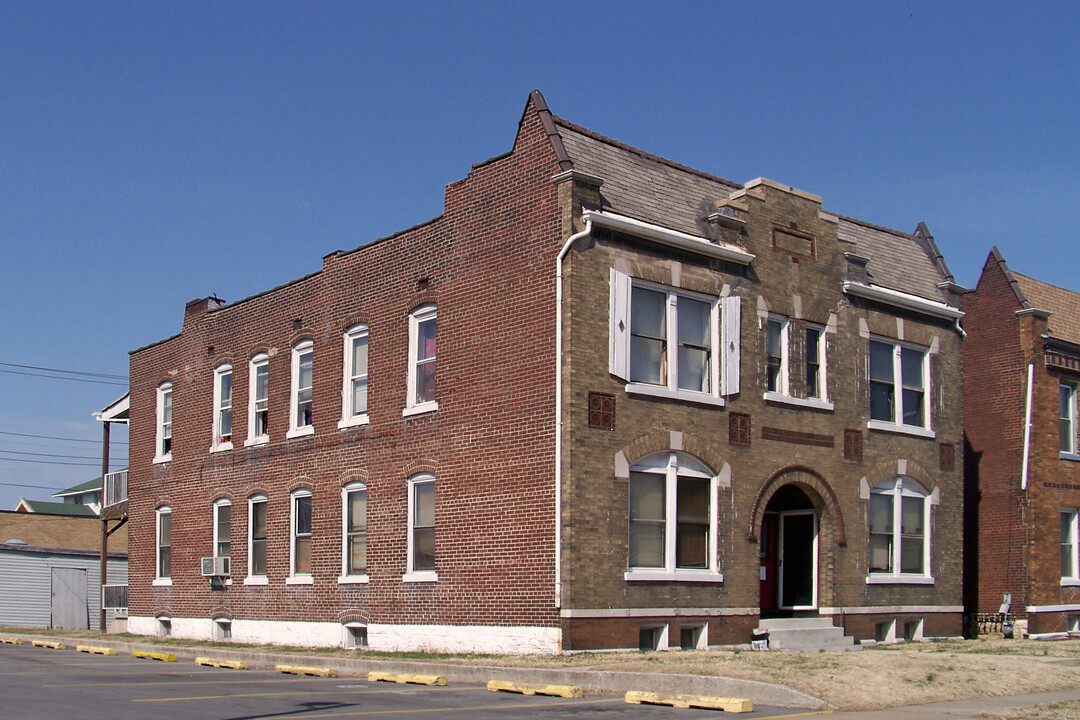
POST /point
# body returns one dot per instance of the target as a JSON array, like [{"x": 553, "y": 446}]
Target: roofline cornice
[
  {"x": 903, "y": 300},
  {"x": 667, "y": 236}
]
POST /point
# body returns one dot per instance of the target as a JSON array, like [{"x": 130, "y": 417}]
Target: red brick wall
[
  {"x": 488, "y": 262},
  {"x": 995, "y": 379}
]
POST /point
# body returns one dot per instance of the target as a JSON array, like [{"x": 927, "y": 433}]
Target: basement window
[
  {"x": 164, "y": 628},
  {"x": 652, "y": 637},
  {"x": 692, "y": 637},
  {"x": 913, "y": 630},
  {"x": 355, "y": 636},
  {"x": 222, "y": 630}
]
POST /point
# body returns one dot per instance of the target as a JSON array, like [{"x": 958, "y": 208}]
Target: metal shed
[{"x": 54, "y": 587}]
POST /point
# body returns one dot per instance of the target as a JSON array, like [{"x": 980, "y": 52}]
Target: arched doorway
[{"x": 788, "y": 548}]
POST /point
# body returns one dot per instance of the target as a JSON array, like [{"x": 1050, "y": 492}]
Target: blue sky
[{"x": 153, "y": 152}]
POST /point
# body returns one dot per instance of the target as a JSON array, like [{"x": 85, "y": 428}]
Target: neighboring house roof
[
  {"x": 81, "y": 489},
  {"x": 646, "y": 187},
  {"x": 54, "y": 508},
  {"x": 117, "y": 411},
  {"x": 1063, "y": 305}
]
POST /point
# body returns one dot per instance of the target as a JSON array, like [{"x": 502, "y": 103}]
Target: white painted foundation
[{"x": 392, "y": 638}]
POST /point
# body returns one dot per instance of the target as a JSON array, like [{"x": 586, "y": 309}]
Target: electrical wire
[
  {"x": 67, "y": 372},
  {"x": 36, "y": 487},
  {"x": 53, "y": 437},
  {"x": 50, "y": 455},
  {"x": 49, "y": 462},
  {"x": 61, "y": 377}
]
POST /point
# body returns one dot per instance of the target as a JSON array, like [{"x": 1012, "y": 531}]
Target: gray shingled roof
[
  {"x": 897, "y": 260},
  {"x": 1064, "y": 306},
  {"x": 649, "y": 188}
]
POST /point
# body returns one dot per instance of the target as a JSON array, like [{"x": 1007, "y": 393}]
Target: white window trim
[
  {"x": 295, "y": 578},
  {"x": 671, "y": 573},
  {"x": 783, "y": 380},
  {"x": 294, "y": 390},
  {"x": 345, "y": 577},
  {"x": 814, "y": 403},
  {"x": 260, "y": 360},
  {"x": 252, "y": 578},
  {"x": 896, "y": 425},
  {"x": 348, "y": 417},
  {"x": 823, "y": 366},
  {"x": 1073, "y": 580},
  {"x": 162, "y": 580},
  {"x": 412, "y": 575},
  {"x": 896, "y": 577},
  {"x": 216, "y": 444},
  {"x": 218, "y": 504},
  {"x": 417, "y": 316},
  {"x": 159, "y": 436},
  {"x": 1071, "y": 453},
  {"x": 724, "y": 319}
]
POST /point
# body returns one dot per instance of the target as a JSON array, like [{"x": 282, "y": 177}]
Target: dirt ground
[
  {"x": 1056, "y": 711},
  {"x": 877, "y": 677}
]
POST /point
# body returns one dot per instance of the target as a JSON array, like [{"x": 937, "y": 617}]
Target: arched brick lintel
[{"x": 805, "y": 477}]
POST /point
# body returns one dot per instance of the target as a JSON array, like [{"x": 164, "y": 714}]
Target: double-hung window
[
  {"x": 1067, "y": 418},
  {"x": 421, "y": 380},
  {"x": 421, "y": 550},
  {"x": 899, "y": 527},
  {"x": 354, "y": 533},
  {"x": 672, "y": 520},
  {"x": 258, "y": 400},
  {"x": 223, "y": 528},
  {"x": 222, "y": 409},
  {"x": 815, "y": 363},
  {"x": 163, "y": 442},
  {"x": 300, "y": 408},
  {"x": 300, "y": 552},
  {"x": 256, "y": 540},
  {"x": 1070, "y": 563},
  {"x": 354, "y": 393},
  {"x": 899, "y": 387},
  {"x": 670, "y": 343},
  {"x": 776, "y": 356},
  {"x": 164, "y": 546}
]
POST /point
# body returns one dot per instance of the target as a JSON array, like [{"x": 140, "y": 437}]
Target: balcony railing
[{"x": 116, "y": 487}]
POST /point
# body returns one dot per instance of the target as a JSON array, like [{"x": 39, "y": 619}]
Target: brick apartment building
[
  {"x": 1021, "y": 372},
  {"x": 666, "y": 406}
]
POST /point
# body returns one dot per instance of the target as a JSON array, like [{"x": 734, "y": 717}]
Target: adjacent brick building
[
  {"x": 666, "y": 405},
  {"x": 1021, "y": 371}
]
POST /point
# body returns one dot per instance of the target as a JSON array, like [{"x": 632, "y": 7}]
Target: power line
[
  {"x": 67, "y": 372},
  {"x": 61, "y": 377},
  {"x": 51, "y": 455},
  {"x": 36, "y": 487},
  {"x": 49, "y": 462},
  {"x": 53, "y": 437}
]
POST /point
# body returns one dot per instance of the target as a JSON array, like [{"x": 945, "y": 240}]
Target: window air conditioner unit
[{"x": 215, "y": 567}]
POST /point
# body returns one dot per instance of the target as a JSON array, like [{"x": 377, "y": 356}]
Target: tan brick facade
[{"x": 527, "y": 547}]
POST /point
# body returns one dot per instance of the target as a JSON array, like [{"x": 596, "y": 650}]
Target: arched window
[
  {"x": 899, "y": 530},
  {"x": 164, "y": 546},
  {"x": 258, "y": 400},
  {"x": 256, "y": 541},
  {"x": 300, "y": 565},
  {"x": 354, "y": 532},
  {"x": 421, "y": 380},
  {"x": 672, "y": 519},
  {"x": 354, "y": 393},
  {"x": 222, "y": 408},
  {"x": 163, "y": 444},
  {"x": 300, "y": 407}
]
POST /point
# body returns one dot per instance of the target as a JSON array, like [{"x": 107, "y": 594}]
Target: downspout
[
  {"x": 558, "y": 406},
  {"x": 1027, "y": 426}
]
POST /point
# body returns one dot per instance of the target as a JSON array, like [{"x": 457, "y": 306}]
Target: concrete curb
[{"x": 593, "y": 682}]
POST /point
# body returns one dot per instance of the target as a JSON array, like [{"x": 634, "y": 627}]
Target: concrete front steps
[{"x": 807, "y": 634}]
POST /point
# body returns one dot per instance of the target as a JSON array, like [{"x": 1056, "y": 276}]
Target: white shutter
[
  {"x": 730, "y": 322},
  {"x": 619, "y": 321}
]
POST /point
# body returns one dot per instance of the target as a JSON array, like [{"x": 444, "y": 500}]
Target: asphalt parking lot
[{"x": 44, "y": 684}]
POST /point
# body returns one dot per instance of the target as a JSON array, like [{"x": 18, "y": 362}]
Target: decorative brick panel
[
  {"x": 601, "y": 411},
  {"x": 853, "y": 445},
  {"x": 739, "y": 429},
  {"x": 947, "y": 457}
]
